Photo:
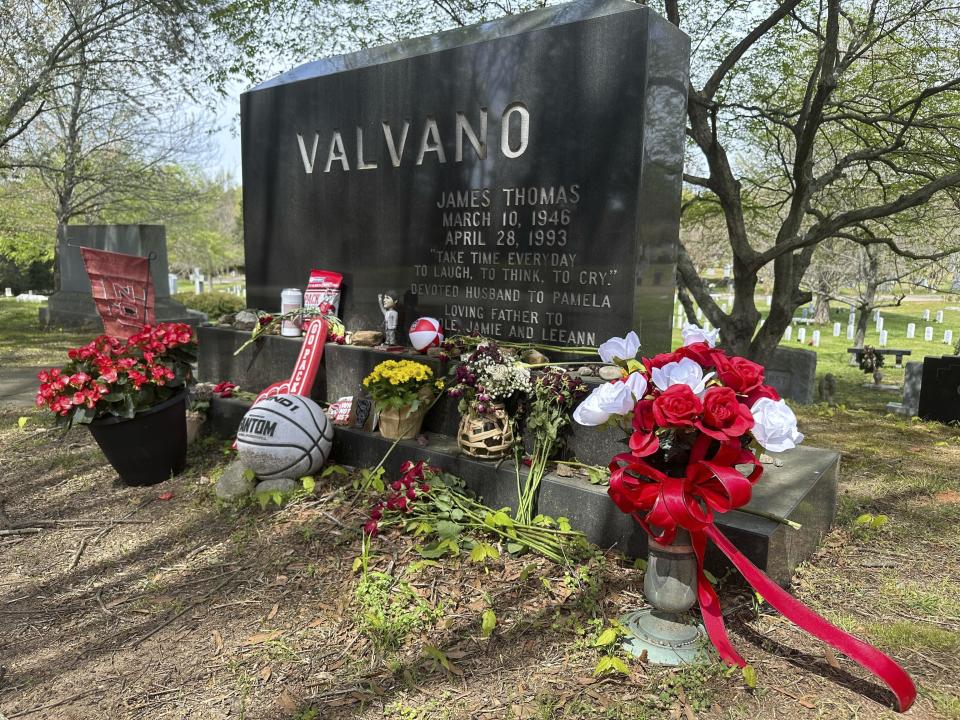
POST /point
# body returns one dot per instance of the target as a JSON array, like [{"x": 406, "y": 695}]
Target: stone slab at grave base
[
  {"x": 272, "y": 357},
  {"x": 803, "y": 489},
  {"x": 77, "y": 310},
  {"x": 882, "y": 386}
]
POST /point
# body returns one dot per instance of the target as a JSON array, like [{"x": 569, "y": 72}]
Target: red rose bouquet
[
  {"x": 691, "y": 417},
  {"x": 110, "y": 377}
]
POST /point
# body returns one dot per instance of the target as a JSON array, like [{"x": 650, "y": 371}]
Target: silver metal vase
[{"x": 666, "y": 631}]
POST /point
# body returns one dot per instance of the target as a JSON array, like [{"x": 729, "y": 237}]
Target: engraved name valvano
[
  {"x": 519, "y": 179},
  {"x": 512, "y": 143}
]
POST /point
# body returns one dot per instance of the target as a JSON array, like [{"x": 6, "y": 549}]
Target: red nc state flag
[{"x": 122, "y": 290}]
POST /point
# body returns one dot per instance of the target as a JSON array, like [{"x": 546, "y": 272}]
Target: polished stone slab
[
  {"x": 519, "y": 178},
  {"x": 272, "y": 357},
  {"x": 803, "y": 489}
]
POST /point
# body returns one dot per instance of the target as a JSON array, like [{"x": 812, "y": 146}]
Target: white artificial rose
[
  {"x": 637, "y": 384},
  {"x": 612, "y": 398},
  {"x": 618, "y": 347},
  {"x": 775, "y": 425},
  {"x": 684, "y": 372},
  {"x": 694, "y": 333}
]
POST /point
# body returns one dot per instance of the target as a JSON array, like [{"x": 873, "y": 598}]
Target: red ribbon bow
[{"x": 656, "y": 500}]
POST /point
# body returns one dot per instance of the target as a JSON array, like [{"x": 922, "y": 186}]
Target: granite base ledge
[{"x": 803, "y": 489}]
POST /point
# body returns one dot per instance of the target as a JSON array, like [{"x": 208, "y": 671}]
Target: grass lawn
[
  {"x": 190, "y": 609},
  {"x": 24, "y": 343}
]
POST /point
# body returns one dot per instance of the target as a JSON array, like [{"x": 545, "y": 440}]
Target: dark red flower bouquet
[
  {"x": 691, "y": 417},
  {"x": 110, "y": 377}
]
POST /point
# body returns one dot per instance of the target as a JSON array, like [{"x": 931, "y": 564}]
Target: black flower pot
[{"x": 149, "y": 447}]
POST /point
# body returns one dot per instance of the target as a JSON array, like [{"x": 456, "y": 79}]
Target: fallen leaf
[
  {"x": 265, "y": 673},
  {"x": 217, "y": 641},
  {"x": 263, "y": 637},
  {"x": 316, "y": 622},
  {"x": 831, "y": 658},
  {"x": 288, "y": 702},
  {"x": 168, "y": 495},
  {"x": 564, "y": 471},
  {"x": 273, "y": 612},
  {"x": 281, "y": 580}
]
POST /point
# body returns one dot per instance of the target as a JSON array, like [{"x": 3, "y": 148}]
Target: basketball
[
  {"x": 425, "y": 333},
  {"x": 284, "y": 436}
]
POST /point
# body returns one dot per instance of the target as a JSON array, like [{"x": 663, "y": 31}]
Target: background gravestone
[
  {"x": 940, "y": 389},
  {"x": 912, "y": 379},
  {"x": 72, "y": 305},
  {"x": 519, "y": 178},
  {"x": 792, "y": 373}
]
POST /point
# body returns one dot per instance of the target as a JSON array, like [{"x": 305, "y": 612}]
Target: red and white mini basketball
[{"x": 426, "y": 333}]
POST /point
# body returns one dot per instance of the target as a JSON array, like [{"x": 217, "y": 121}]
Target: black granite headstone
[
  {"x": 519, "y": 178},
  {"x": 940, "y": 389}
]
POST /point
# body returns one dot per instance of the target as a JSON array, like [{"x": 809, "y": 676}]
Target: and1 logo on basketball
[{"x": 254, "y": 425}]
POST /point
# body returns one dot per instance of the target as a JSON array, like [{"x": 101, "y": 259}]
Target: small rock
[
  {"x": 235, "y": 482},
  {"x": 284, "y": 486},
  {"x": 535, "y": 357},
  {"x": 585, "y": 371},
  {"x": 366, "y": 338},
  {"x": 245, "y": 320},
  {"x": 227, "y": 319},
  {"x": 609, "y": 372}
]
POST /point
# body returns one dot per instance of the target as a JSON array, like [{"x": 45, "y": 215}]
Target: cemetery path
[
  {"x": 18, "y": 386},
  {"x": 115, "y": 603}
]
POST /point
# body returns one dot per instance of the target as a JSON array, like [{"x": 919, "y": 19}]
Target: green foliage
[
  {"x": 488, "y": 622},
  {"x": 611, "y": 664},
  {"x": 214, "y": 304},
  {"x": 388, "y": 610}
]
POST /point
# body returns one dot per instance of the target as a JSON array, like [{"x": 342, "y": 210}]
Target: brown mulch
[{"x": 190, "y": 610}]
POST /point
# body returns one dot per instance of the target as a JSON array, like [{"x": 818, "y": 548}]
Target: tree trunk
[
  {"x": 869, "y": 299},
  {"x": 863, "y": 317},
  {"x": 821, "y": 310},
  {"x": 685, "y": 300}
]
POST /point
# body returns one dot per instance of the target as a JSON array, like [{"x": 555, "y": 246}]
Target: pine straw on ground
[{"x": 189, "y": 610}]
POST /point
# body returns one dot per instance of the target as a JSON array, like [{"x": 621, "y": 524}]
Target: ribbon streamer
[{"x": 715, "y": 485}]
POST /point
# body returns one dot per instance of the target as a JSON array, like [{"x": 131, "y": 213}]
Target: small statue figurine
[{"x": 388, "y": 305}]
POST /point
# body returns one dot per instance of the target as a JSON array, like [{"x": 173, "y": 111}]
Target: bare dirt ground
[{"x": 124, "y": 605}]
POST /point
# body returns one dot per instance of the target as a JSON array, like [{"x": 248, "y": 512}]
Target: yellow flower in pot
[{"x": 402, "y": 391}]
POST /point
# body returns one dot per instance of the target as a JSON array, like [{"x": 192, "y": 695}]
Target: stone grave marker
[
  {"x": 911, "y": 330},
  {"x": 876, "y": 315},
  {"x": 788, "y": 333},
  {"x": 928, "y": 333},
  {"x": 836, "y": 329},
  {"x": 939, "y": 316},
  {"x": 520, "y": 179},
  {"x": 926, "y": 316},
  {"x": 879, "y": 323},
  {"x": 72, "y": 305},
  {"x": 801, "y": 335},
  {"x": 883, "y": 338},
  {"x": 940, "y": 389},
  {"x": 8, "y": 292},
  {"x": 850, "y": 332},
  {"x": 816, "y": 338},
  {"x": 948, "y": 337}
]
